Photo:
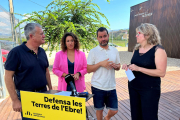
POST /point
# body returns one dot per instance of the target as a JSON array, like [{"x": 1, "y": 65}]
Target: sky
[{"x": 117, "y": 11}]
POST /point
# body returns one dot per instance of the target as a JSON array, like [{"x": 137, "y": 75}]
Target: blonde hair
[{"x": 149, "y": 30}]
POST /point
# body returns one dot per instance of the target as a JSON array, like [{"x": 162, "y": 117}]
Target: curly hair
[
  {"x": 63, "y": 41},
  {"x": 149, "y": 30}
]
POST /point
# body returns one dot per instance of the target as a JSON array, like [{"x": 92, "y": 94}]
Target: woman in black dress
[{"x": 148, "y": 64}]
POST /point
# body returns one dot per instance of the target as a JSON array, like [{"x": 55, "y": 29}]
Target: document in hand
[{"x": 130, "y": 75}]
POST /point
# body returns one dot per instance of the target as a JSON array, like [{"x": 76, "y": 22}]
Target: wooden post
[{"x": 11, "y": 10}]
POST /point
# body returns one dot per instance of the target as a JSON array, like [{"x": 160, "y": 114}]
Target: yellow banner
[{"x": 52, "y": 107}]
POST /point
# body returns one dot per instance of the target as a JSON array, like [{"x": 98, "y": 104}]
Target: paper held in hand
[{"x": 130, "y": 75}]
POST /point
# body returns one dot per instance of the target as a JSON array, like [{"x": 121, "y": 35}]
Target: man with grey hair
[{"x": 26, "y": 67}]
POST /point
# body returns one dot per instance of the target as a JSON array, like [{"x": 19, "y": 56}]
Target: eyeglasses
[{"x": 138, "y": 33}]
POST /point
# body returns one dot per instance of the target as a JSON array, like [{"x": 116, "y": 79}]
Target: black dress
[{"x": 144, "y": 90}]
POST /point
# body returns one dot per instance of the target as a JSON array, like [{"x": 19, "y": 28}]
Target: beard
[{"x": 105, "y": 42}]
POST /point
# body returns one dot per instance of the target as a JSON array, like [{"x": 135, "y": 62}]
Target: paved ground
[{"x": 169, "y": 104}]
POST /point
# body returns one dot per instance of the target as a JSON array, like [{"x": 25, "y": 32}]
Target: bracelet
[{"x": 79, "y": 73}]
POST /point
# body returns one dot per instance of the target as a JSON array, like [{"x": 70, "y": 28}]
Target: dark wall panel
[{"x": 165, "y": 14}]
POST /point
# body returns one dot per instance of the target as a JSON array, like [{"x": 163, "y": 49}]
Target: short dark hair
[
  {"x": 101, "y": 29},
  {"x": 63, "y": 41}
]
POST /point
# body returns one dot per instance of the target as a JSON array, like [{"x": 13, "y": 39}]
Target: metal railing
[{"x": 6, "y": 31}]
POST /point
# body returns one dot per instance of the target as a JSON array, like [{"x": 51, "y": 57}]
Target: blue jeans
[
  {"x": 19, "y": 97},
  {"x": 102, "y": 98}
]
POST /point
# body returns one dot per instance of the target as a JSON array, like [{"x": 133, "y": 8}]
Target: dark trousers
[
  {"x": 144, "y": 103},
  {"x": 19, "y": 97}
]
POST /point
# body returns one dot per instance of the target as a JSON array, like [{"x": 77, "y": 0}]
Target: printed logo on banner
[{"x": 47, "y": 106}]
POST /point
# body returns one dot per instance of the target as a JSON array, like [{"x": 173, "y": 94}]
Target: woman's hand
[
  {"x": 134, "y": 67},
  {"x": 64, "y": 74},
  {"x": 75, "y": 76},
  {"x": 125, "y": 67}
]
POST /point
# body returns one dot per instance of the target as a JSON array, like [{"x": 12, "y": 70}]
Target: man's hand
[
  {"x": 50, "y": 87},
  {"x": 17, "y": 105},
  {"x": 113, "y": 65},
  {"x": 106, "y": 64}
]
